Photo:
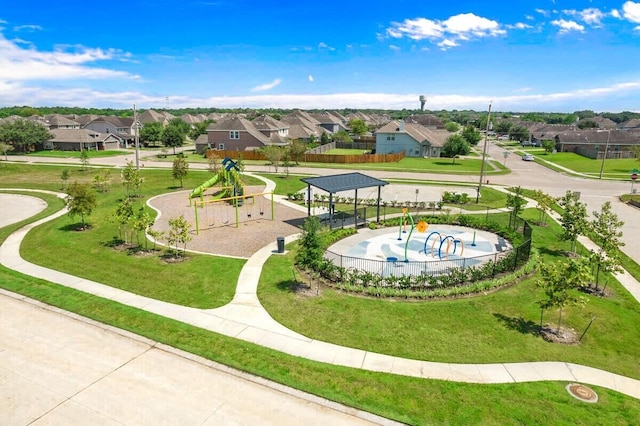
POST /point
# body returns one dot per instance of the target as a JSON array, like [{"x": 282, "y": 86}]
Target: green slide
[{"x": 200, "y": 189}]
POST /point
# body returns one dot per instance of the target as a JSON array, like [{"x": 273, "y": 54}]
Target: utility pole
[
  {"x": 606, "y": 148},
  {"x": 135, "y": 129},
  {"x": 484, "y": 154}
]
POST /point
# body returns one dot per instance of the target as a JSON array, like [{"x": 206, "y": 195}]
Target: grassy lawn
[
  {"x": 345, "y": 151},
  {"x": 499, "y": 327},
  {"x": 502, "y": 321},
  {"x": 613, "y": 168},
  {"x": 201, "y": 281},
  {"x": 76, "y": 154}
]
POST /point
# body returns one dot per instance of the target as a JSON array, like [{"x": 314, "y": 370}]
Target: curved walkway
[{"x": 245, "y": 318}]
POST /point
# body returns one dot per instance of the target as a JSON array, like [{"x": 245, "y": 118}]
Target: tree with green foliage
[
  {"x": 452, "y": 126},
  {"x": 198, "y": 129},
  {"x": 342, "y": 136},
  {"x": 515, "y": 203},
  {"x": 179, "y": 234},
  {"x": 560, "y": 281},
  {"x": 123, "y": 215},
  {"x": 80, "y": 201},
  {"x": 324, "y": 138},
  {"x": 454, "y": 146},
  {"x": 84, "y": 159},
  {"x": 548, "y": 146},
  {"x": 23, "y": 134},
  {"x": 635, "y": 151},
  {"x": 151, "y": 133},
  {"x": 471, "y": 134},
  {"x": 310, "y": 249},
  {"x": 519, "y": 133},
  {"x": 181, "y": 125},
  {"x": 297, "y": 148},
  {"x": 587, "y": 124},
  {"x": 172, "y": 137},
  {"x": 64, "y": 177},
  {"x": 358, "y": 126},
  {"x": 503, "y": 127},
  {"x": 573, "y": 219},
  {"x": 273, "y": 155},
  {"x": 4, "y": 148},
  {"x": 180, "y": 168},
  {"x": 544, "y": 204},
  {"x": 606, "y": 232},
  {"x": 141, "y": 222},
  {"x": 131, "y": 179}
]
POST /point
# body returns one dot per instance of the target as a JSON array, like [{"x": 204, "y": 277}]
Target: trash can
[{"x": 280, "y": 241}]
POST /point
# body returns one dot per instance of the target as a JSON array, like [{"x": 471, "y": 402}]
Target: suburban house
[
  {"x": 303, "y": 126},
  {"x": 123, "y": 127},
  {"x": 331, "y": 121},
  {"x": 151, "y": 116},
  {"x": 271, "y": 127},
  {"x": 593, "y": 143},
  {"x": 429, "y": 121},
  {"x": 239, "y": 134},
  {"x": 630, "y": 125},
  {"x": 414, "y": 139},
  {"x": 81, "y": 139},
  {"x": 539, "y": 132},
  {"x": 60, "y": 122}
]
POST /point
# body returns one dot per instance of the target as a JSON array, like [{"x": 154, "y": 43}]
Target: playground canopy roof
[{"x": 343, "y": 182}]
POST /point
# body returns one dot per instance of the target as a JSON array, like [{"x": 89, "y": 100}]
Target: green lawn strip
[
  {"x": 498, "y": 327},
  {"x": 53, "y": 205},
  {"x": 76, "y": 154},
  {"x": 405, "y": 399},
  {"x": 201, "y": 281},
  {"x": 613, "y": 168},
  {"x": 345, "y": 151}
]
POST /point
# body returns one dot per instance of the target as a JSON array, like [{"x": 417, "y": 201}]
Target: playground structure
[
  {"x": 444, "y": 238},
  {"x": 231, "y": 194}
]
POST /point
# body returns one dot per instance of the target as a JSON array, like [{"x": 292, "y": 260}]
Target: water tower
[{"x": 423, "y": 100}]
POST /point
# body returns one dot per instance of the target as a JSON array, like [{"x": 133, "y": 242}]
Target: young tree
[
  {"x": 503, "y": 127},
  {"x": 342, "y": 136},
  {"x": 548, "y": 146},
  {"x": 573, "y": 219},
  {"x": 4, "y": 148},
  {"x": 84, "y": 159},
  {"x": 179, "y": 233},
  {"x": 80, "y": 201},
  {"x": 274, "y": 155},
  {"x": 606, "y": 230},
  {"x": 471, "y": 134},
  {"x": 519, "y": 133},
  {"x": 559, "y": 282},
  {"x": 310, "y": 251},
  {"x": 545, "y": 203},
  {"x": 297, "y": 148},
  {"x": 141, "y": 222},
  {"x": 131, "y": 179},
  {"x": 515, "y": 203},
  {"x": 123, "y": 215},
  {"x": 324, "y": 138},
  {"x": 454, "y": 146},
  {"x": 180, "y": 168},
  {"x": 64, "y": 176},
  {"x": 213, "y": 162}
]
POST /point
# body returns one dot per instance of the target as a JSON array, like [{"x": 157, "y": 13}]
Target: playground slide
[{"x": 200, "y": 189}]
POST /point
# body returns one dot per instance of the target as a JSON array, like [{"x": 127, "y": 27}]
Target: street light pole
[
  {"x": 484, "y": 154},
  {"x": 606, "y": 148}
]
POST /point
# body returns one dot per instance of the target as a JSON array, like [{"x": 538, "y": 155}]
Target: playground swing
[
  {"x": 211, "y": 222},
  {"x": 225, "y": 220},
  {"x": 249, "y": 209},
  {"x": 261, "y": 202}
]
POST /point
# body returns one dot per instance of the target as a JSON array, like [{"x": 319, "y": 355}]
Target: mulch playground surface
[{"x": 217, "y": 222}]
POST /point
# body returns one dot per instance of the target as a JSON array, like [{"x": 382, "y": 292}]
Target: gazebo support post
[{"x": 308, "y": 199}]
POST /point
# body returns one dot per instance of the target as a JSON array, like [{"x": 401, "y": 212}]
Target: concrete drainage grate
[{"x": 582, "y": 393}]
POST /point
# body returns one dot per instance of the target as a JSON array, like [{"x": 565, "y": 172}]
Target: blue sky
[{"x": 537, "y": 55}]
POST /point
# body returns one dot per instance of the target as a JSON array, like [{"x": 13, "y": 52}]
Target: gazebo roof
[{"x": 343, "y": 182}]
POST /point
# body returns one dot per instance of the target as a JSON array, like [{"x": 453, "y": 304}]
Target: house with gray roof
[
  {"x": 414, "y": 139},
  {"x": 592, "y": 143},
  {"x": 81, "y": 139},
  {"x": 122, "y": 127},
  {"x": 238, "y": 134}
]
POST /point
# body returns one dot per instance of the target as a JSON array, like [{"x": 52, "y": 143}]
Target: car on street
[{"x": 528, "y": 157}]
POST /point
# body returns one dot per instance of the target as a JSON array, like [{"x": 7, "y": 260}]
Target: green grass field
[
  {"x": 76, "y": 154},
  {"x": 613, "y": 168}
]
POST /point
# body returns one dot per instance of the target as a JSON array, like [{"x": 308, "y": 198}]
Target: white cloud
[
  {"x": 591, "y": 16},
  {"x": 394, "y": 47},
  {"x": 519, "y": 26},
  {"x": 267, "y": 86},
  {"x": 311, "y": 79},
  {"x": 323, "y": 45},
  {"x": 18, "y": 63},
  {"x": 631, "y": 11},
  {"x": 615, "y": 13},
  {"x": 447, "y": 33},
  {"x": 542, "y": 12},
  {"x": 567, "y": 26},
  {"x": 29, "y": 28}
]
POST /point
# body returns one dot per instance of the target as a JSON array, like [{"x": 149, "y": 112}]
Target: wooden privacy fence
[{"x": 313, "y": 158}]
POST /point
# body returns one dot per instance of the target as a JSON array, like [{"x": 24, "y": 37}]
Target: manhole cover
[{"x": 582, "y": 393}]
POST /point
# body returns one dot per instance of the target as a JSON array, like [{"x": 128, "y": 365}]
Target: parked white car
[{"x": 528, "y": 157}]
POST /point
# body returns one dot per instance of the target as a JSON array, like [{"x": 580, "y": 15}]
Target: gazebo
[{"x": 343, "y": 182}]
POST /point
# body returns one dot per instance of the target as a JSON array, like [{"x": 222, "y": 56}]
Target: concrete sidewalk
[{"x": 244, "y": 318}]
